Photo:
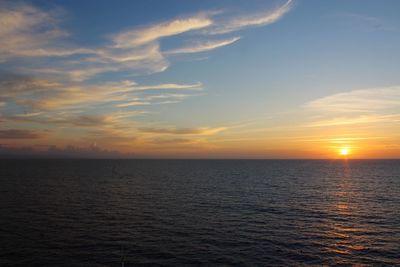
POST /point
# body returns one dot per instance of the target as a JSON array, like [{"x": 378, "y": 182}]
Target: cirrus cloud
[
  {"x": 184, "y": 131},
  {"x": 137, "y": 37},
  {"x": 203, "y": 46},
  {"x": 254, "y": 20},
  {"x": 356, "y": 107}
]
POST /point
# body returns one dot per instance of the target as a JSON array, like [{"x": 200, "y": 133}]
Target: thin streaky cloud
[
  {"x": 355, "y": 120},
  {"x": 19, "y": 86},
  {"x": 51, "y": 52},
  {"x": 144, "y": 52},
  {"x": 27, "y": 115},
  {"x": 41, "y": 94},
  {"x": 253, "y": 20},
  {"x": 25, "y": 29},
  {"x": 69, "y": 151},
  {"x": 202, "y": 46},
  {"x": 169, "y": 86},
  {"x": 359, "y": 101},
  {"x": 144, "y": 35},
  {"x": 365, "y": 106},
  {"x": 184, "y": 131},
  {"x": 143, "y": 60},
  {"x": 173, "y": 141},
  {"x": 133, "y": 103}
]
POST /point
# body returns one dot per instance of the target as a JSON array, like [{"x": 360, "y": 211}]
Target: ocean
[{"x": 199, "y": 212}]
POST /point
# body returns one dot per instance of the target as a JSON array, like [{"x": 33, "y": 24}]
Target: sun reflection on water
[{"x": 346, "y": 234}]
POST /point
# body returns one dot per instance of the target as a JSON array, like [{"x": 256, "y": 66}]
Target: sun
[{"x": 344, "y": 151}]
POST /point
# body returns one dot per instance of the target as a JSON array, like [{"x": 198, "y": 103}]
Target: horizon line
[{"x": 156, "y": 158}]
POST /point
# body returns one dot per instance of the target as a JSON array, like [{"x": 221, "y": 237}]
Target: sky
[{"x": 200, "y": 79}]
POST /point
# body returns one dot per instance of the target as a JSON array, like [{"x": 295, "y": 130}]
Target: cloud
[
  {"x": 147, "y": 59},
  {"x": 145, "y": 35},
  {"x": 352, "y": 120},
  {"x": 69, "y": 151},
  {"x": 70, "y": 74},
  {"x": 203, "y": 46},
  {"x": 365, "y": 106},
  {"x": 133, "y": 103},
  {"x": 113, "y": 120},
  {"x": 42, "y": 94},
  {"x": 87, "y": 120},
  {"x": 189, "y": 131},
  {"x": 79, "y": 75},
  {"x": 75, "y": 96},
  {"x": 173, "y": 141},
  {"x": 52, "y": 52},
  {"x": 359, "y": 101},
  {"x": 92, "y": 151},
  {"x": 168, "y": 86},
  {"x": 167, "y": 96},
  {"x": 84, "y": 120},
  {"x": 253, "y": 20},
  {"x": 25, "y": 29},
  {"x": 14, "y": 85},
  {"x": 28, "y": 32},
  {"x": 18, "y": 134}
]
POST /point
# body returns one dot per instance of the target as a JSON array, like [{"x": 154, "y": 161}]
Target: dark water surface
[{"x": 199, "y": 212}]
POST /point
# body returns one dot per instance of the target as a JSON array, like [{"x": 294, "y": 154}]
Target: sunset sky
[{"x": 201, "y": 79}]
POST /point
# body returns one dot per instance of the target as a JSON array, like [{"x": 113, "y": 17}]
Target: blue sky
[{"x": 201, "y": 78}]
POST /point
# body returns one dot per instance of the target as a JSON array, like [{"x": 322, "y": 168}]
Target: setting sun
[{"x": 344, "y": 151}]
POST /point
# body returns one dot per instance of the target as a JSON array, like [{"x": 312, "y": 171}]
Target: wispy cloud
[
  {"x": 356, "y": 107},
  {"x": 174, "y": 141},
  {"x": 14, "y": 85},
  {"x": 41, "y": 94},
  {"x": 359, "y": 101},
  {"x": 69, "y": 151},
  {"x": 354, "y": 120},
  {"x": 203, "y": 46},
  {"x": 143, "y": 60},
  {"x": 144, "y": 35},
  {"x": 184, "y": 131},
  {"x": 254, "y": 20},
  {"x": 24, "y": 28},
  {"x": 168, "y": 86},
  {"x": 27, "y": 31},
  {"x": 133, "y": 103}
]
